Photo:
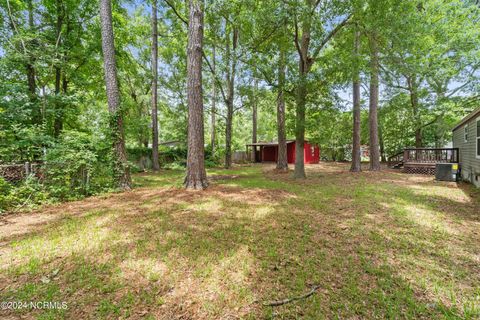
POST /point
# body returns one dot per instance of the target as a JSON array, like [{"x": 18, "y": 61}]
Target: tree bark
[
  {"x": 30, "y": 69},
  {"x": 304, "y": 65},
  {"x": 155, "y": 159},
  {"x": 299, "y": 172},
  {"x": 228, "y": 135},
  {"x": 413, "y": 89},
  {"x": 120, "y": 165},
  {"x": 214, "y": 100},
  {"x": 196, "y": 177},
  {"x": 356, "y": 143},
  {"x": 231, "y": 60},
  {"x": 282, "y": 161},
  {"x": 373, "y": 112},
  {"x": 254, "y": 118},
  {"x": 58, "y": 116}
]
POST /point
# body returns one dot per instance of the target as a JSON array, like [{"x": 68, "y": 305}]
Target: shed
[
  {"x": 268, "y": 151},
  {"x": 466, "y": 137}
]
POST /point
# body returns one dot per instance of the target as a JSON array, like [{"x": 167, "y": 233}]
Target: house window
[
  {"x": 465, "y": 133},
  {"x": 478, "y": 138}
]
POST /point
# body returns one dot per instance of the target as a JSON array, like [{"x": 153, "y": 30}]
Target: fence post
[{"x": 27, "y": 169}]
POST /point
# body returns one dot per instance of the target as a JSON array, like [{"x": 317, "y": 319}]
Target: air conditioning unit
[{"x": 446, "y": 172}]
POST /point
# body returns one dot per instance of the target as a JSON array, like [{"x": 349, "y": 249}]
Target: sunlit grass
[{"x": 383, "y": 245}]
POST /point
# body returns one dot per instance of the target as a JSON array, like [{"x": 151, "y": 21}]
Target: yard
[{"x": 375, "y": 244}]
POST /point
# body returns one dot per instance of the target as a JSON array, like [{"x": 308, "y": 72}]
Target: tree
[
  {"x": 282, "y": 161},
  {"x": 120, "y": 165},
  {"x": 303, "y": 32},
  {"x": 373, "y": 110},
  {"x": 254, "y": 117},
  {"x": 196, "y": 177},
  {"x": 356, "y": 143},
  {"x": 231, "y": 61},
  {"x": 155, "y": 160},
  {"x": 58, "y": 118},
  {"x": 214, "y": 102}
]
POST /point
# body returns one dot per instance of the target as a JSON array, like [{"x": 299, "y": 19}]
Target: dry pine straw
[{"x": 366, "y": 245}]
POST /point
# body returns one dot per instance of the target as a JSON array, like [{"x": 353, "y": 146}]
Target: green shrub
[
  {"x": 27, "y": 194},
  {"x": 77, "y": 166},
  {"x": 5, "y": 188},
  {"x": 170, "y": 155},
  {"x": 175, "y": 166}
]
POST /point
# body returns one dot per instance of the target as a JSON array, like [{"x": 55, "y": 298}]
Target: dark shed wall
[
  {"x": 269, "y": 153},
  {"x": 291, "y": 152}
]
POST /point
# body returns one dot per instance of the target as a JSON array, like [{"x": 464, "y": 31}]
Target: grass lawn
[{"x": 377, "y": 245}]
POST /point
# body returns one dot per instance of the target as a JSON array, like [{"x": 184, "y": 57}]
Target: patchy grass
[{"x": 379, "y": 245}]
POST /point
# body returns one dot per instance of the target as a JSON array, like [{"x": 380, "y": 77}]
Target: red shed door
[{"x": 311, "y": 153}]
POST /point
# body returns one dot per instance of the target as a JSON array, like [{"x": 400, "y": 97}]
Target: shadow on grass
[{"x": 170, "y": 254}]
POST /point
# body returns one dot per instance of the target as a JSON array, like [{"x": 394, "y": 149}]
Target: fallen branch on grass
[
  {"x": 288, "y": 300},
  {"x": 23, "y": 204}
]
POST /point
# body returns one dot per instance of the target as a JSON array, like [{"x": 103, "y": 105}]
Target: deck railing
[
  {"x": 431, "y": 155},
  {"x": 395, "y": 159}
]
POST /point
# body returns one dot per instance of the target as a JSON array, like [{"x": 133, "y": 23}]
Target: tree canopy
[{"x": 253, "y": 54}]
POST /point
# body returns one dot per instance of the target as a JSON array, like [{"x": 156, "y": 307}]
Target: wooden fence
[{"x": 18, "y": 172}]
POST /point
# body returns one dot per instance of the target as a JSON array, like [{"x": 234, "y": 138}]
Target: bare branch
[
  {"x": 288, "y": 300},
  {"x": 176, "y": 12},
  {"x": 330, "y": 36},
  {"x": 214, "y": 74},
  {"x": 297, "y": 45},
  {"x": 12, "y": 20}
]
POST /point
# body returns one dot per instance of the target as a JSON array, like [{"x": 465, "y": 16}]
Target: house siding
[{"x": 469, "y": 164}]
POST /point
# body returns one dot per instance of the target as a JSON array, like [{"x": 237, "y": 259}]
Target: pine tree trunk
[
  {"x": 214, "y": 100},
  {"x": 30, "y": 69},
  {"x": 282, "y": 161},
  {"x": 373, "y": 111},
  {"x": 356, "y": 152},
  {"x": 120, "y": 165},
  {"x": 231, "y": 61},
  {"x": 155, "y": 160},
  {"x": 228, "y": 135},
  {"x": 254, "y": 118},
  {"x": 196, "y": 177},
  {"x": 58, "y": 116}
]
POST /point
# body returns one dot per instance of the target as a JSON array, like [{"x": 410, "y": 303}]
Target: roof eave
[{"x": 467, "y": 119}]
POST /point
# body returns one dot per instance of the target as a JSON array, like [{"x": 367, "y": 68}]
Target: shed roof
[
  {"x": 267, "y": 144},
  {"x": 471, "y": 116}
]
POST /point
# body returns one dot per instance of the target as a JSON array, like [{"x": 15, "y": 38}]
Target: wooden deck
[{"x": 423, "y": 160}]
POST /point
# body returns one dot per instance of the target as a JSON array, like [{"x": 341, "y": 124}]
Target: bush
[
  {"x": 139, "y": 159},
  {"x": 172, "y": 155},
  {"x": 77, "y": 166},
  {"x": 175, "y": 166},
  {"x": 27, "y": 194},
  {"x": 5, "y": 188}
]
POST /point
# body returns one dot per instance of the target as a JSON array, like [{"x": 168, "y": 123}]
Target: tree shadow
[{"x": 173, "y": 254}]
